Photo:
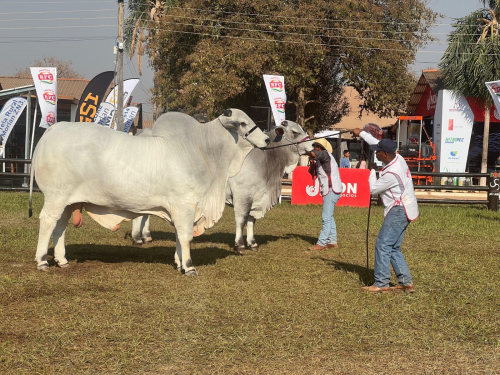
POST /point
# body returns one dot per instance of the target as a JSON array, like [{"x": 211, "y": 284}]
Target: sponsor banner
[
  {"x": 128, "y": 87},
  {"x": 453, "y": 122},
  {"x": 355, "y": 187},
  {"x": 9, "y": 114},
  {"x": 45, "y": 80},
  {"x": 275, "y": 86},
  {"x": 494, "y": 89},
  {"x": 128, "y": 117},
  {"x": 105, "y": 114},
  {"x": 92, "y": 96}
]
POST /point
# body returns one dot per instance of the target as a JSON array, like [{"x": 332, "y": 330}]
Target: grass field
[{"x": 121, "y": 309}]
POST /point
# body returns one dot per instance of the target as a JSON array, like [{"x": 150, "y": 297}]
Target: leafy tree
[
  {"x": 472, "y": 59},
  {"x": 64, "y": 69},
  {"x": 211, "y": 54}
]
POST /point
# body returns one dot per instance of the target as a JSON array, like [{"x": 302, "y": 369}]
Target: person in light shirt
[
  {"x": 325, "y": 168},
  {"x": 395, "y": 187}
]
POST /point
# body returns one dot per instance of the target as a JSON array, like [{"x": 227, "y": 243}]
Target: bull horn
[{"x": 227, "y": 112}]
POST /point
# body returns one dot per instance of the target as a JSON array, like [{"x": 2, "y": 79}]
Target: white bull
[
  {"x": 257, "y": 187},
  {"x": 179, "y": 174}
]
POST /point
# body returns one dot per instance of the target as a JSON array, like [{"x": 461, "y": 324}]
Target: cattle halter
[{"x": 305, "y": 139}]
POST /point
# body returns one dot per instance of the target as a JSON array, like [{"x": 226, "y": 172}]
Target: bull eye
[
  {"x": 242, "y": 124},
  {"x": 295, "y": 133}
]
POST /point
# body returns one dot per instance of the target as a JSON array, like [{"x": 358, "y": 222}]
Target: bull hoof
[
  {"x": 43, "y": 267},
  {"x": 136, "y": 243},
  {"x": 65, "y": 265},
  {"x": 254, "y": 246},
  {"x": 191, "y": 273},
  {"x": 240, "y": 249},
  {"x": 147, "y": 240}
]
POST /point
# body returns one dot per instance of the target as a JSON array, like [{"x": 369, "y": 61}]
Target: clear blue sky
[{"x": 84, "y": 32}]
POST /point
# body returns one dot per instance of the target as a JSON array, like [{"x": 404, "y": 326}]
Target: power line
[
  {"x": 58, "y": 19},
  {"x": 58, "y": 11},
  {"x": 55, "y": 27},
  {"x": 57, "y": 39},
  {"x": 58, "y": 2}
]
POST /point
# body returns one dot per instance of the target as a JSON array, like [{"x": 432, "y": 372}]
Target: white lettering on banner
[
  {"x": 431, "y": 101},
  {"x": 348, "y": 190},
  {"x": 9, "y": 114}
]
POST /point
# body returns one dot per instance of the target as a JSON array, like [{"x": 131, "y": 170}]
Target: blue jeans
[
  {"x": 329, "y": 232},
  {"x": 388, "y": 249}
]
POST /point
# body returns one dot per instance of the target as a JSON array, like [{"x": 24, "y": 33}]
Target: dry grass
[{"x": 122, "y": 309}]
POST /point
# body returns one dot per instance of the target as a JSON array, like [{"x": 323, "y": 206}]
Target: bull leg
[
  {"x": 47, "y": 226},
  {"x": 252, "y": 245},
  {"x": 136, "y": 230},
  {"x": 59, "y": 238},
  {"x": 178, "y": 253},
  {"x": 184, "y": 236},
  {"x": 240, "y": 217},
  {"x": 145, "y": 232},
  {"x": 140, "y": 230}
]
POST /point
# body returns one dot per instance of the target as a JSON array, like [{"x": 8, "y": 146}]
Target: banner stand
[{"x": 34, "y": 127}]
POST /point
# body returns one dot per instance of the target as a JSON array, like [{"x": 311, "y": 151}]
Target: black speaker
[{"x": 409, "y": 150}]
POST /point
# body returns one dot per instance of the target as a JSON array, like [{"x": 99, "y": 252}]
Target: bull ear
[
  {"x": 227, "y": 112},
  {"x": 284, "y": 123},
  {"x": 280, "y": 130},
  {"x": 231, "y": 125}
]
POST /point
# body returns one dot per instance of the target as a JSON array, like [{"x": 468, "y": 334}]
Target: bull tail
[{"x": 32, "y": 175}]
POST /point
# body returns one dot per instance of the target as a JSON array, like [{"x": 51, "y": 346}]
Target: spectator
[
  {"x": 344, "y": 162},
  {"x": 361, "y": 164}
]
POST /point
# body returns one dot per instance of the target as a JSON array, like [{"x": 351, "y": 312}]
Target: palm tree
[{"x": 473, "y": 58}]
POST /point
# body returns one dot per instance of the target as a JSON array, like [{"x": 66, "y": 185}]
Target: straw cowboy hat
[{"x": 324, "y": 144}]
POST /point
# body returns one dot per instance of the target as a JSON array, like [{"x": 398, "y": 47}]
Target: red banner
[{"x": 355, "y": 187}]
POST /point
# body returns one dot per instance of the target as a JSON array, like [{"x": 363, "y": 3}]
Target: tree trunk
[
  {"x": 300, "y": 107},
  {"x": 486, "y": 136}
]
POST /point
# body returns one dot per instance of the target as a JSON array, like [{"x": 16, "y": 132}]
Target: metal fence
[
  {"x": 19, "y": 181},
  {"x": 13, "y": 180}
]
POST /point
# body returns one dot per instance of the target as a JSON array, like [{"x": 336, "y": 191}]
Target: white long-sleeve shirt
[{"x": 395, "y": 184}]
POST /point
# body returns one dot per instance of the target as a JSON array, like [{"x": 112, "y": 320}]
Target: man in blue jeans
[
  {"x": 327, "y": 171},
  {"x": 395, "y": 187}
]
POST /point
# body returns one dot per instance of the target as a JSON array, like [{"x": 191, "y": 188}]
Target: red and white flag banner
[
  {"x": 45, "y": 80},
  {"x": 275, "y": 86}
]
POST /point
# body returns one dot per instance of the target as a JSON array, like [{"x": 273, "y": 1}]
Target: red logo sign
[
  {"x": 355, "y": 188},
  {"x": 46, "y": 76},
  {"x": 496, "y": 89},
  {"x": 51, "y": 118},
  {"x": 49, "y": 96},
  {"x": 275, "y": 84},
  {"x": 280, "y": 105}
]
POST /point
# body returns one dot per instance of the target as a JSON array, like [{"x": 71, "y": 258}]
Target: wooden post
[{"x": 493, "y": 182}]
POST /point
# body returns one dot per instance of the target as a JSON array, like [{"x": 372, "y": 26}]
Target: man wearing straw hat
[{"x": 324, "y": 166}]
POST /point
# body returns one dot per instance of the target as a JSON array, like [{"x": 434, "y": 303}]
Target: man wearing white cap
[
  {"x": 395, "y": 187},
  {"x": 326, "y": 169}
]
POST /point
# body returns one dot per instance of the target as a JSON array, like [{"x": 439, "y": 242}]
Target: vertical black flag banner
[{"x": 92, "y": 96}]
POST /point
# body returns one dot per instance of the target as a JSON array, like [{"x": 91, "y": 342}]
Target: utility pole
[{"x": 119, "y": 69}]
